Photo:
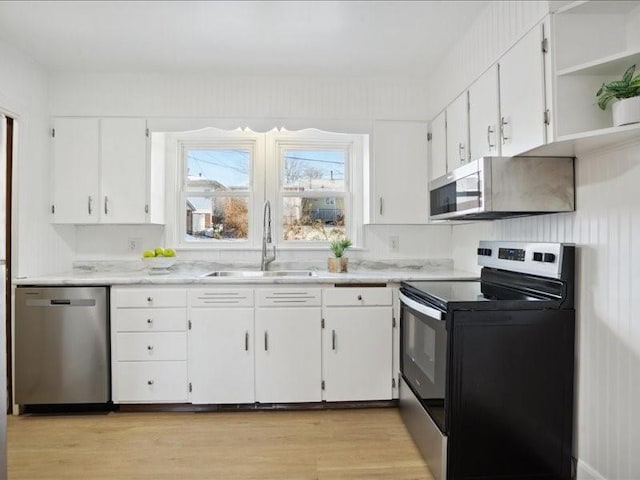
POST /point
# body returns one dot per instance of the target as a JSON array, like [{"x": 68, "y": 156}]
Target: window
[{"x": 226, "y": 176}]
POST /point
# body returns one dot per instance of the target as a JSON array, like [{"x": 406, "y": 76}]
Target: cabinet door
[
  {"x": 400, "y": 173},
  {"x": 123, "y": 170},
  {"x": 439, "y": 146},
  {"x": 522, "y": 95},
  {"x": 458, "y": 132},
  {"x": 221, "y": 355},
  {"x": 288, "y": 352},
  {"x": 76, "y": 150},
  {"x": 484, "y": 116},
  {"x": 357, "y": 353}
]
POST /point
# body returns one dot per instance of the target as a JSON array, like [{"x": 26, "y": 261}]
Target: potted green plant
[
  {"x": 627, "y": 91},
  {"x": 338, "y": 247}
]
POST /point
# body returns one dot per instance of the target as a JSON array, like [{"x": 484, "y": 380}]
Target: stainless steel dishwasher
[{"x": 61, "y": 345}]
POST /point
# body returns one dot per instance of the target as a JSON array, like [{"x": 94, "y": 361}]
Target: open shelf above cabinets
[{"x": 594, "y": 43}]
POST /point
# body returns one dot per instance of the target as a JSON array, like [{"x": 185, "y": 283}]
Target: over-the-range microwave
[{"x": 499, "y": 187}]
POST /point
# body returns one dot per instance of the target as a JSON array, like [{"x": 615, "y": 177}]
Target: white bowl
[{"x": 159, "y": 263}]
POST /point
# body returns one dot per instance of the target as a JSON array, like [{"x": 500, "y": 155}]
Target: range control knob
[
  {"x": 549, "y": 258},
  {"x": 537, "y": 256},
  {"x": 485, "y": 252}
]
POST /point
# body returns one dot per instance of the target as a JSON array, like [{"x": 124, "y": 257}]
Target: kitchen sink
[{"x": 259, "y": 273}]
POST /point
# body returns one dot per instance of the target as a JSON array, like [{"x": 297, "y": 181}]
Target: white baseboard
[{"x": 586, "y": 472}]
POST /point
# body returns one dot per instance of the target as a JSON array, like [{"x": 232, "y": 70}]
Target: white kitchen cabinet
[
  {"x": 484, "y": 116},
  {"x": 123, "y": 170},
  {"x": 399, "y": 193},
  {"x": 458, "y": 132},
  {"x": 357, "y": 344},
  {"x": 523, "y": 124},
  {"x": 221, "y": 347},
  {"x": 288, "y": 345},
  {"x": 119, "y": 179},
  {"x": 438, "y": 146},
  {"x": 149, "y": 345},
  {"x": 75, "y": 172}
]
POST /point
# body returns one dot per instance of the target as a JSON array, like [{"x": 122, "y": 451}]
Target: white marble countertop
[{"x": 194, "y": 273}]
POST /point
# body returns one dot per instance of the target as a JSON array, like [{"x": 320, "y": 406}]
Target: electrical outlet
[
  {"x": 394, "y": 243},
  {"x": 134, "y": 243}
]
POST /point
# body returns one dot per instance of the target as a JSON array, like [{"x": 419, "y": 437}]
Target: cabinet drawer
[
  {"x": 150, "y": 320},
  {"x": 345, "y": 297},
  {"x": 151, "y": 346},
  {"x": 278, "y": 297},
  {"x": 227, "y": 297},
  {"x": 149, "y": 297},
  {"x": 151, "y": 382}
]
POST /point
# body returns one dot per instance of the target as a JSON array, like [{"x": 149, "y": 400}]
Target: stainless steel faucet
[{"x": 266, "y": 237}]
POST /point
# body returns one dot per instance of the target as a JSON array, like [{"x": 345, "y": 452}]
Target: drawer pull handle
[
  {"x": 359, "y": 297},
  {"x": 149, "y": 321},
  {"x": 149, "y": 347},
  {"x": 149, "y": 299},
  {"x": 149, "y": 382}
]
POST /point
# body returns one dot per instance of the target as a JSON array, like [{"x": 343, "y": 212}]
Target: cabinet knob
[
  {"x": 359, "y": 297},
  {"x": 149, "y": 299},
  {"x": 149, "y": 382},
  {"x": 149, "y": 321},
  {"x": 149, "y": 347}
]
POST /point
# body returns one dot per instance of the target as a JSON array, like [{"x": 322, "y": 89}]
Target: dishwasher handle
[{"x": 61, "y": 302}]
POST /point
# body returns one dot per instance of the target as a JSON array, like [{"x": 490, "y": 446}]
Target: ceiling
[{"x": 279, "y": 38}]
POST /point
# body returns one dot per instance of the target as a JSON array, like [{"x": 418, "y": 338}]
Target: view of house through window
[
  {"x": 217, "y": 187},
  {"x": 307, "y": 176},
  {"x": 312, "y": 189}
]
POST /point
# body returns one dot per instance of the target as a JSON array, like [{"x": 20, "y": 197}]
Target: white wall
[
  {"x": 606, "y": 228},
  {"x": 37, "y": 247},
  {"x": 353, "y": 101}
]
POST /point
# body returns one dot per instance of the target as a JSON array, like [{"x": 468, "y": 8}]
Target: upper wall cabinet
[
  {"x": 439, "y": 145},
  {"x": 458, "y": 132},
  {"x": 524, "y": 114},
  {"x": 484, "y": 116},
  {"x": 110, "y": 157},
  {"x": 399, "y": 171},
  {"x": 594, "y": 43}
]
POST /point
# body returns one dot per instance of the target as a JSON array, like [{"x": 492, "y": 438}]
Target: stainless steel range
[{"x": 487, "y": 366}]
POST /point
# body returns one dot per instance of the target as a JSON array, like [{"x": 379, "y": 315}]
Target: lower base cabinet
[
  {"x": 288, "y": 352},
  {"x": 221, "y": 355}
]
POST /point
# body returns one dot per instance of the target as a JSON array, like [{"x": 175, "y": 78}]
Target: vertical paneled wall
[
  {"x": 496, "y": 29},
  {"x": 321, "y": 102},
  {"x": 38, "y": 247},
  {"x": 606, "y": 230}
]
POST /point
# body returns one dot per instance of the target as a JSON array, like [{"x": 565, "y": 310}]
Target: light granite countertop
[{"x": 194, "y": 273}]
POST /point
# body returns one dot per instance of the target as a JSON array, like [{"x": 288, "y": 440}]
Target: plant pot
[
  {"x": 336, "y": 265},
  {"x": 626, "y": 111}
]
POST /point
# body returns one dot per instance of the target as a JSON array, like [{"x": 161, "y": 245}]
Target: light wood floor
[{"x": 322, "y": 445}]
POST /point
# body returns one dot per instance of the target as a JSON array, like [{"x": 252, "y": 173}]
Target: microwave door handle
[{"x": 420, "y": 308}]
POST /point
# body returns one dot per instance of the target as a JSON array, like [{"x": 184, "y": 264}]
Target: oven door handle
[{"x": 419, "y": 307}]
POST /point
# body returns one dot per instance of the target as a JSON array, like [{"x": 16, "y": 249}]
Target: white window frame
[
  {"x": 265, "y": 183},
  {"x": 312, "y": 139}
]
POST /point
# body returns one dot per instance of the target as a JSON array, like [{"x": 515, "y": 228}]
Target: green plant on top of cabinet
[
  {"x": 399, "y": 170},
  {"x": 119, "y": 180}
]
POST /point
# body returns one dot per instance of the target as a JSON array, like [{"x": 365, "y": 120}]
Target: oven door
[{"x": 423, "y": 351}]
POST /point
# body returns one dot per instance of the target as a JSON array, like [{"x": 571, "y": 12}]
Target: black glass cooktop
[{"x": 466, "y": 292}]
